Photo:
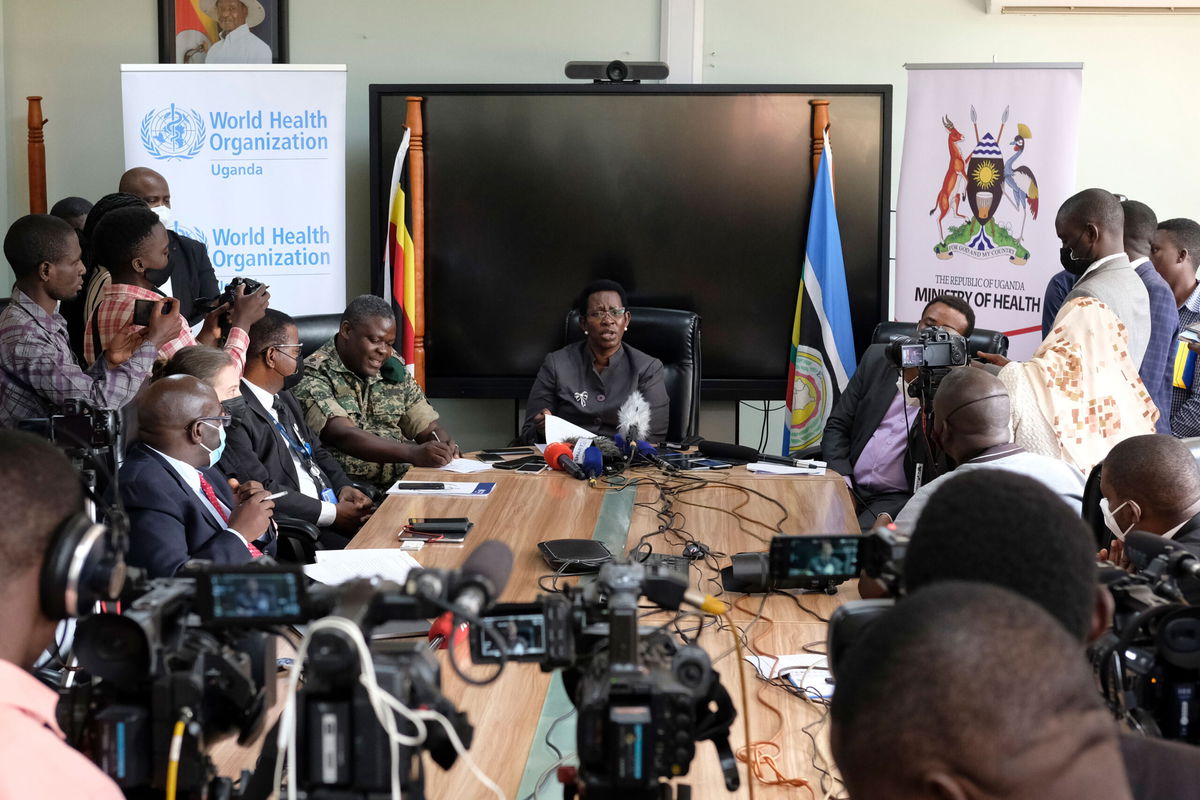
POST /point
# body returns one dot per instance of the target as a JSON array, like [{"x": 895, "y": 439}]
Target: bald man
[
  {"x": 189, "y": 273},
  {"x": 971, "y": 416},
  {"x": 972, "y": 691},
  {"x": 1091, "y": 226},
  {"x": 179, "y": 506}
]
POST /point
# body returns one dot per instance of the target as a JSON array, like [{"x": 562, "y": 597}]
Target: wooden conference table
[{"x": 511, "y": 715}]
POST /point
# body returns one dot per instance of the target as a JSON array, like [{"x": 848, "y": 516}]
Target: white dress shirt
[
  {"x": 239, "y": 46},
  {"x": 191, "y": 476},
  {"x": 308, "y": 487}
]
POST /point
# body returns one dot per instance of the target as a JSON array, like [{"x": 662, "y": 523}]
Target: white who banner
[
  {"x": 989, "y": 155},
  {"x": 256, "y": 161}
]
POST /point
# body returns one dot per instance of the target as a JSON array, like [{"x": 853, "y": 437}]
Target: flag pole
[
  {"x": 820, "y": 125},
  {"x": 416, "y": 185}
]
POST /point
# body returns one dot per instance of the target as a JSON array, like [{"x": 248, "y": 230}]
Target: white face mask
[
  {"x": 1110, "y": 520},
  {"x": 164, "y": 215}
]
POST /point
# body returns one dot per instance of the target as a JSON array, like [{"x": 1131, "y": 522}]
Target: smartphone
[
  {"x": 142, "y": 309},
  {"x": 489, "y": 458},
  {"x": 707, "y": 463},
  {"x": 517, "y": 463},
  {"x": 416, "y": 487},
  {"x": 532, "y": 468},
  {"x": 439, "y": 524},
  {"x": 508, "y": 451}
]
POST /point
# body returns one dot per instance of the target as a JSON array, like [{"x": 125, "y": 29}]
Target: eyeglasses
[
  {"x": 216, "y": 422},
  {"x": 280, "y": 346},
  {"x": 601, "y": 313}
]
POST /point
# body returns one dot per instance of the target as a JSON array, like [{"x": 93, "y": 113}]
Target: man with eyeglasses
[
  {"x": 179, "y": 506},
  {"x": 270, "y": 442},
  {"x": 588, "y": 383}
]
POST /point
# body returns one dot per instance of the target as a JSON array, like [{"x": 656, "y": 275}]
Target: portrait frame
[{"x": 183, "y": 22}]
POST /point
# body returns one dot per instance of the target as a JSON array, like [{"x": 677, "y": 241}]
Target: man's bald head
[
  {"x": 971, "y": 412},
  {"x": 1159, "y": 474},
  {"x": 146, "y": 184},
  {"x": 969, "y": 685},
  {"x": 1140, "y": 225},
  {"x": 168, "y": 410},
  {"x": 1097, "y": 207}
]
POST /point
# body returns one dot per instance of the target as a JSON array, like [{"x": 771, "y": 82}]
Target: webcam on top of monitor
[{"x": 617, "y": 71}]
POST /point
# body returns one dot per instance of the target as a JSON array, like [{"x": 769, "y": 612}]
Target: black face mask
[
  {"x": 158, "y": 276},
  {"x": 234, "y": 405},
  {"x": 290, "y": 381},
  {"x": 1075, "y": 266}
]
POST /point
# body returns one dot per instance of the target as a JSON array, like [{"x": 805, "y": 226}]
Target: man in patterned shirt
[
  {"x": 367, "y": 409},
  {"x": 1174, "y": 251},
  {"x": 37, "y": 369},
  {"x": 131, "y": 242}
]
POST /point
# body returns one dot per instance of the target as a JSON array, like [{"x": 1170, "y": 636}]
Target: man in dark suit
[
  {"x": 270, "y": 442},
  {"x": 189, "y": 273},
  {"x": 1150, "y": 483},
  {"x": 873, "y": 436},
  {"x": 179, "y": 507}
]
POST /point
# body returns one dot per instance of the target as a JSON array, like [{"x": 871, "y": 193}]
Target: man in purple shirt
[
  {"x": 867, "y": 437},
  {"x": 37, "y": 369}
]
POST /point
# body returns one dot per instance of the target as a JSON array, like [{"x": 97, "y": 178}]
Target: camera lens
[{"x": 616, "y": 71}]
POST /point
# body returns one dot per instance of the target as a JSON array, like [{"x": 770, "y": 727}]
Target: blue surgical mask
[{"x": 215, "y": 455}]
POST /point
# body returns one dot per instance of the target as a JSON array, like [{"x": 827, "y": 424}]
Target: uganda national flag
[
  {"x": 399, "y": 270},
  {"x": 822, "y": 339}
]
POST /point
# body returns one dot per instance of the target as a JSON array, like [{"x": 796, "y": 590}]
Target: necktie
[{"x": 207, "y": 488}]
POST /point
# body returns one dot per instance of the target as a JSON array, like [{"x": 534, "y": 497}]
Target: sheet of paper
[
  {"x": 466, "y": 466},
  {"x": 559, "y": 430},
  {"x": 767, "y": 468},
  {"x": 451, "y": 489},
  {"x": 338, "y": 566},
  {"x": 807, "y": 671}
]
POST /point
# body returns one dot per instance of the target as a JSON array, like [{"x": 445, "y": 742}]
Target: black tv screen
[{"x": 693, "y": 197}]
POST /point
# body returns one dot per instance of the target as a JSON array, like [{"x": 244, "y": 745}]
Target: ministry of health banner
[
  {"x": 989, "y": 156},
  {"x": 256, "y": 161}
]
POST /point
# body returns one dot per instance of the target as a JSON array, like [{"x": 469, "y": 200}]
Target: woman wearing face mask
[{"x": 1079, "y": 394}]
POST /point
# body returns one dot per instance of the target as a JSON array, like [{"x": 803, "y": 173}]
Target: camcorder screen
[
  {"x": 525, "y": 635},
  {"x": 912, "y": 355},
  {"x": 242, "y": 596},
  {"x": 814, "y": 556}
]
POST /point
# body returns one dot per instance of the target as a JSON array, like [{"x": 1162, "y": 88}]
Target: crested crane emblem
[{"x": 1001, "y": 195}]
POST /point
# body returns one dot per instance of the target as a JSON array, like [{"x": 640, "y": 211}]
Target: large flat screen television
[{"x": 693, "y": 197}]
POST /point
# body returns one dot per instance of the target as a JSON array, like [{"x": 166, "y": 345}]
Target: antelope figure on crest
[{"x": 957, "y": 170}]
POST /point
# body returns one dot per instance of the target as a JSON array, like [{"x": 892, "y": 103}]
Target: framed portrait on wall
[{"x": 222, "y": 31}]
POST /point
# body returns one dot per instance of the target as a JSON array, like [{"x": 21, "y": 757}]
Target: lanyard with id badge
[{"x": 306, "y": 460}]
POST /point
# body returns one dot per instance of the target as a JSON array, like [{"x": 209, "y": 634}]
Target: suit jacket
[
  {"x": 858, "y": 413},
  {"x": 168, "y": 523},
  {"x": 192, "y": 274},
  {"x": 1118, "y": 286},
  {"x": 254, "y": 452}
]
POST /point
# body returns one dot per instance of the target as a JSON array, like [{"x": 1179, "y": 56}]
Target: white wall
[{"x": 1137, "y": 107}]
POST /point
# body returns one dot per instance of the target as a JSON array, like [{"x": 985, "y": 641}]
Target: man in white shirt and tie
[
  {"x": 237, "y": 44},
  {"x": 179, "y": 507}
]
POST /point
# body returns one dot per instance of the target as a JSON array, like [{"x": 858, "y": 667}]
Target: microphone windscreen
[
  {"x": 593, "y": 462},
  {"x": 621, "y": 444},
  {"x": 633, "y": 417},
  {"x": 727, "y": 451},
  {"x": 556, "y": 451},
  {"x": 608, "y": 449},
  {"x": 491, "y": 561},
  {"x": 644, "y": 448}
]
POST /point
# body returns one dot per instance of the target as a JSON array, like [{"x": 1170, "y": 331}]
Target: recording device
[
  {"x": 207, "y": 304},
  {"x": 643, "y": 699},
  {"x": 76, "y": 426},
  {"x": 740, "y": 454},
  {"x": 819, "y": 563},
  {"x": 617, "y": 71},
  {"x": 1148, "y": 664},
  {"x": 934, "y": 352},
  {"x": 144, "y": 309},
  {"x": 559, "y": 457}
]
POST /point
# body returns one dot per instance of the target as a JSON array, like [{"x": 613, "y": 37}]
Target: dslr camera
[
  {"x": 227, "y": 296},
  {"x": 934, "y": 347}
]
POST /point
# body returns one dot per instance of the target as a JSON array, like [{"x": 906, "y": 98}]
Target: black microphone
[
  {"x": 474, "y": 586},
  {"x": 1151, "y": 546},
  {"x": 737, "y": 452}
]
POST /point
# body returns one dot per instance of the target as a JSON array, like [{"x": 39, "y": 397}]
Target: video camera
[
  {"x": 819, "y": 563},
  {"x": 1148, "y": 664},
  {"x": 643, "y": 699},
  {"x": 191, "y": 659},
  {"x": 934, "y": 352},
  {"x": 76, "y": 427}
]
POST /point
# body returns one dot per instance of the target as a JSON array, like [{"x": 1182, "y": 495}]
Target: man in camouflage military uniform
[{"x": 369, "y": 411}]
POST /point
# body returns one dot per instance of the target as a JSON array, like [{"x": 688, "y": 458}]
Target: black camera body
[
  {"x": 819, "y": 563},
  {"x": 934, "y": 347},
  {"x": 230, "y": 293},
  {"x": 76, "y": 427}
]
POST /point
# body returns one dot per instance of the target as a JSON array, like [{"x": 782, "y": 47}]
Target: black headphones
[{"x": 84, "y": 564}]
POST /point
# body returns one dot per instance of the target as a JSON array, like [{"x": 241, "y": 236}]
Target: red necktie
[{"x": 207, "y": 488}]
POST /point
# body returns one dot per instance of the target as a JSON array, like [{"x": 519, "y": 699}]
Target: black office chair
[
  {"x": 297, "y": 541},
  {"x": 316, "y": 330},
  {"x": 980, "y": 339},
  {"x": 673, "y": 337}
]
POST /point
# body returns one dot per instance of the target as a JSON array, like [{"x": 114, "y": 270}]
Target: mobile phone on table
[
  {"x": 489, "y": 458},
  {"x": 414, "y": 486},
  {"x": 439, "y": 524},
  {"x": 509, "y": 451},
  {"x": 516, "y": 463},
  {"x": 706, "y": 463},
  {"x": 143, "y": 309},
  {"x": 532, "y": 468}
]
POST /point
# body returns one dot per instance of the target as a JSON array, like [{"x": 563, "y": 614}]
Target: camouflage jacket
[{"x": 394, "y": 410}]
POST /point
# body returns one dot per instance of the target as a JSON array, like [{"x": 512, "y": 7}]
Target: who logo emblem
[{"x": 172, "y": 133}]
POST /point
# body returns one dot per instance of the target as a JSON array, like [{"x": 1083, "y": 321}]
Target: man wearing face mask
[
  {"x": 1152, "y": 484},
  {"x": 179, "y": 506},
  {"x": 270, "y": 442},
  {"x": 189, "y": 273},
  {"x": 971, "y": 416}
]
